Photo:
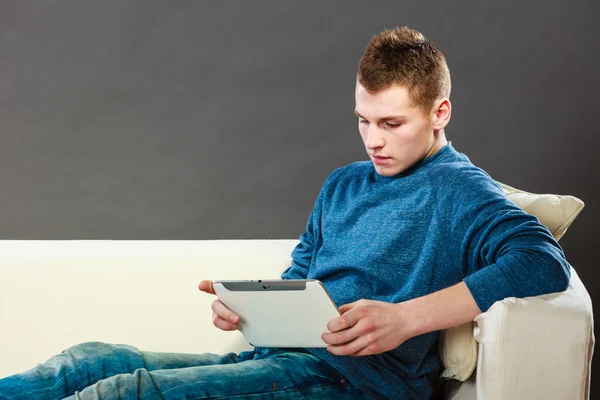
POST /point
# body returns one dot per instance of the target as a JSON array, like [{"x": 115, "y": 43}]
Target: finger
[
  {"x": 207, "y": 286},
  {"x": 347, "y": 307},
  {"x": 345, "y": 321},
  {"x": 339, "y": 338},
  {"x": 224, "y": 312},
  {"x": 347, "y": 349},
  {"x": 362, "y": 345},
  {"x": 222, "y": 324},
  {"x": 346, "y": 335},
  {"x": 368, "y": 351}
]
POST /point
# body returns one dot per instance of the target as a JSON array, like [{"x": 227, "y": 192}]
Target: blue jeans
[{"x": 104, "y": 371}]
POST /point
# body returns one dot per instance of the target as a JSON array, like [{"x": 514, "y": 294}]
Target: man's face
[{"x": 396, "y": 134}]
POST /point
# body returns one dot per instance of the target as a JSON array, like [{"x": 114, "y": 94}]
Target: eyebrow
[{"x": 384, "y": 119}]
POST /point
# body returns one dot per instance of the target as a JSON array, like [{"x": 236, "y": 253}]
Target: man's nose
[{"x": 375, "y": 138}]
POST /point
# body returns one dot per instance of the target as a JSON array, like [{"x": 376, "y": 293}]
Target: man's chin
[{"x": 385, "y": 170}]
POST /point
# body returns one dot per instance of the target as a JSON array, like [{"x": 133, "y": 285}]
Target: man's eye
[
  {"x": 391, "y": 125},
  {"x": 363, "y": 121}
]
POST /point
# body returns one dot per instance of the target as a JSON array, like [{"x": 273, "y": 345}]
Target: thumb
[{"x": 207, "y": 287}]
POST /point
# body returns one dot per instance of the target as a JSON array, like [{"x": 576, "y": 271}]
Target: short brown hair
[{"x": 404, "y": 57}]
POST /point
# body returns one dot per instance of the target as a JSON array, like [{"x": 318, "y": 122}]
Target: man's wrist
[
  {"x": 439, "y": 310},
  {"x": 412, "y": 322}
]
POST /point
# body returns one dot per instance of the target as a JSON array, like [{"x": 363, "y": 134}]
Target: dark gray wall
[{"x": 202, "y": 120}]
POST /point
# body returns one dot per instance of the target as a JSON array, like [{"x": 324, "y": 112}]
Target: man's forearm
[{"x": 440, "y": 310}]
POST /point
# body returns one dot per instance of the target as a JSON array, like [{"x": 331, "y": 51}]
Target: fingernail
[{"x": 232, "y": 318}]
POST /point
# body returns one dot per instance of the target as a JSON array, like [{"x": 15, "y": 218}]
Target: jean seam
[{"x": 154, "y": 383}]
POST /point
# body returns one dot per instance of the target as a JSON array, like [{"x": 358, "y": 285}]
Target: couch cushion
[{"x": 554, "y": 211}]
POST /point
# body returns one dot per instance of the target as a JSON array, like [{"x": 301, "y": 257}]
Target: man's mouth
[{"x": 380, "y": 159}]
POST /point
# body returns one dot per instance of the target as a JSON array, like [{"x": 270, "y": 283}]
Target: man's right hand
[{"x": 223, "y": 318}]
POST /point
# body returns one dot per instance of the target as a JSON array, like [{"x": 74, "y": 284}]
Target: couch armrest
[{"x": 537, "y": 347}]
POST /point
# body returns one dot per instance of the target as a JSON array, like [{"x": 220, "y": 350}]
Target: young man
[{"x": 413, "y": 241}]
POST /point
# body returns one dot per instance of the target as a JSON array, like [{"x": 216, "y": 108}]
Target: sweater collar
[{"x": 438, "y": 156}]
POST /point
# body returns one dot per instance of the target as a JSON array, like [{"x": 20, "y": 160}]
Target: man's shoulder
[
  {"x": 459, "y": 168},
  {"x": 461, "y": 176},
  {"x": 353, "y": 170}
]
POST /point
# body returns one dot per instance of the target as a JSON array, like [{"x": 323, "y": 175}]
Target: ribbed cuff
[{"x": 488, "y": 285}]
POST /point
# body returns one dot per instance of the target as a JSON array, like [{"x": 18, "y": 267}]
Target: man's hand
[
  {"x": 372, "y": 327},
  {"x": 223, "y": 318},
  {"x": 367, "y": 327}
]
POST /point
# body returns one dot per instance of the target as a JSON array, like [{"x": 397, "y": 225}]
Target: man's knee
[
  {"x": 100, "y": 349},
  {"x": 119, "y": 358},
  {"x": 89, "y": 347}
]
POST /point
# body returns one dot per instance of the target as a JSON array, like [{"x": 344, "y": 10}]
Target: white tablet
[{"x": 279, "y": 313}]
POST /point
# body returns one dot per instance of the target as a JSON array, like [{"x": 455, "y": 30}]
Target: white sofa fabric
[{"x": 54, "y": 294}]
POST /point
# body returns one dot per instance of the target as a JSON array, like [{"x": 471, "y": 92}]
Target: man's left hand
[{"x": 367, "y": 327}]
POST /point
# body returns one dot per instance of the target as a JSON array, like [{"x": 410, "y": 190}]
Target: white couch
[{"x": 54, "y": 294}]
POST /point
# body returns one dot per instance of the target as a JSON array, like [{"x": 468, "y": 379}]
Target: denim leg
[
  {"x": 269, "y": 374},
  {"x": 85, "y": 364},
  {"x": 73, "y": 369},
  {"x": 156, "y": 360}
]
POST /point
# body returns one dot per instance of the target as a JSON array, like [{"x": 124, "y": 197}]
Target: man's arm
[
  {"x": 372, "y": 327},
  {"x": 503, "y": 252},
  {"x": 310, "y": 241}
]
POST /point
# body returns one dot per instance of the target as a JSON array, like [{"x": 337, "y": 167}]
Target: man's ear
[{"x": 441, "y": 114}]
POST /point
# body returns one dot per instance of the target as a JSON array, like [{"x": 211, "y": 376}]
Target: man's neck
[{"x": 439, "y": 141}]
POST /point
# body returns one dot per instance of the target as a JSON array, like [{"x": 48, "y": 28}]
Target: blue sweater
[{"x": 397, "y": 238}]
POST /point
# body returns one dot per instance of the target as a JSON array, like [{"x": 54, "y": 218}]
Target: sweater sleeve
[
  {"x": 310, "y": 241},
  {"x": 503, "y": 251}
]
